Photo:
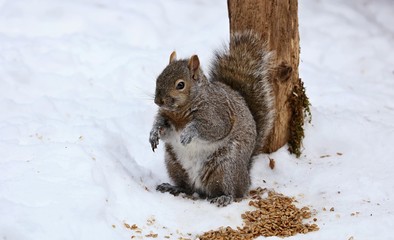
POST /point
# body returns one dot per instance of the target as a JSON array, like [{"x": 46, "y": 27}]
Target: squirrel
[{"x": 212, "y": 127}]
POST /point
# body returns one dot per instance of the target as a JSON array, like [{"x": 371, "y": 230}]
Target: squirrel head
[{"x": 175, "y": 86}]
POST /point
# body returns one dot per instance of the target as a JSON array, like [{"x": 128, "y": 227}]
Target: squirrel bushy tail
[{"x": 245, "y": 66}]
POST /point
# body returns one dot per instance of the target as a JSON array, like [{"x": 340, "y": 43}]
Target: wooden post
[{"x": 277, "y": 22}]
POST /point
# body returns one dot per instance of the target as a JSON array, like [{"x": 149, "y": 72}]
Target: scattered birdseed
[{"x": 275, "y": 215}]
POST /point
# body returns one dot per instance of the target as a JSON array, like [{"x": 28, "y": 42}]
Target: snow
[{"x": 76, "y": 107}]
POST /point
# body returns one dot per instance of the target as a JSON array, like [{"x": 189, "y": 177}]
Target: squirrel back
[{"x": 245, "y": 66}]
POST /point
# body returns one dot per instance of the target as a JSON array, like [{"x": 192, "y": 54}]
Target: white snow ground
[{"x": 76, "y": 86}]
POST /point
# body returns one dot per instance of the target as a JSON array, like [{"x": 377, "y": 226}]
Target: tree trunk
[{"x": 277, "y": 22}]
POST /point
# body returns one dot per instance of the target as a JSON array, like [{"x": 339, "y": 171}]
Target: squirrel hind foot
[
  {"x": 222, "y": 201},
  {"x": 174, "y": 190}
]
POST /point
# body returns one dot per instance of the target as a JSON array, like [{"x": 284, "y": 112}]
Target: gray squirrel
[{"x": 212, "y": 127}]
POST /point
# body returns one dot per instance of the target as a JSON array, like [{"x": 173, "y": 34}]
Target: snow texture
[{"x": 77, "y": 80}]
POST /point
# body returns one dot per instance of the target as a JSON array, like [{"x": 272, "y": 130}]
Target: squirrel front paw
[
  {"x": 186, "y": 137},
  {"x": 154, "y": 138}
]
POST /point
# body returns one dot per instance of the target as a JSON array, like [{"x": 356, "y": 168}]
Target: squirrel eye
[{"x": 180, "y": 85}]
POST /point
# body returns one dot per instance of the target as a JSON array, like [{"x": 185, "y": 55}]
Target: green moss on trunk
[{"x": 300, "y": 111}]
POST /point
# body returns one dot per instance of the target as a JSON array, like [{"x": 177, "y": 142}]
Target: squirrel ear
[
  {"x": 172, "y": 56},
  {"x": 193, "y": 65}
]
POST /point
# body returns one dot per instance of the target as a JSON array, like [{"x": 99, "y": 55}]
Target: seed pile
[{"x": 275, "y": 215}]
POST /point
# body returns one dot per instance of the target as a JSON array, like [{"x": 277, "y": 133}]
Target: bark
[{"x": 277, "y": 22}]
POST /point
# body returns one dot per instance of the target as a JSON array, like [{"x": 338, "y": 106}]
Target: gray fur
[
  {"x": 208, "y": 129},
  {"x": 245, "y": 66}
]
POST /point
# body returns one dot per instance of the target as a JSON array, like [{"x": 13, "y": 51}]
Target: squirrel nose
[{"x": 159, "y": 101}]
